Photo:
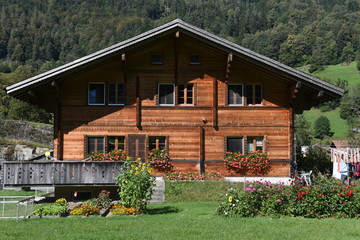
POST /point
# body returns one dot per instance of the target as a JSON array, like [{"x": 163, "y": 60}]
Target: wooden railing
[{"x": 60, "y": 173}]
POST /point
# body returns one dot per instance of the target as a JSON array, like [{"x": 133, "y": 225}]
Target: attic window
[
  {"x": 96, "y": 94},
  {"x": 116, "y": 94},
  {"x": 194, "y": 59},
  {"x": 156, "y": 59}
]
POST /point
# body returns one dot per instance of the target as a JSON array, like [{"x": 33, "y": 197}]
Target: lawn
[{"x": 191, "y": 220}]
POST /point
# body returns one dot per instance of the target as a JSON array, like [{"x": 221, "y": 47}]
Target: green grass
[
  {"x": 190, "y": 191},
  {"x": 191, "y": 220},
  {"x": 339, "y": 71},
  {"x": 338, "y": 125}
]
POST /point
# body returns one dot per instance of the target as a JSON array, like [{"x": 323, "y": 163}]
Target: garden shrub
[
  {"x": 103, "y": 201},
  {"x": 135, "y": 184},
  {"x": 258, "y": 198},
  {"x": 59, "y": 208},
  {"x": 326, "y": 198}
]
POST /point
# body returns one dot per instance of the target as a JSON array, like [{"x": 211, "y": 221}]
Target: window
[
  {"x": 157, "y": 59},
  {"x": 194, "y": 59},
  {"x": 116, "y": 94},
  {"x": 186, "y": 94},
  {"x": 105, "y": 144},
  {"x": 115, "y": 143},
  {"x": 253, "y": 94},
  {"x": 254, "y": 144},
  {"x": 235, "y": 94},
  {"x": 95, "y": 144},
  {"x": 166, "y": 94},
  {"x": 96, "y": 94},
  {"x": 157, "y": 143},
  {"x": 234, "y": 144}
]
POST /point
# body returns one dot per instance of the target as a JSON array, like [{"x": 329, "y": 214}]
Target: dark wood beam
[
  {"x": 138, "y": 104},
  {"x": 228, "y": 66},
  {"x": 202, "y": 149},
  {"x": 294, "y": 92},
  {"x": 58, "y": 133},
  {"x": 124, "y": 68},
  {"x": 215, "y": 104},
  {"x": 33, "y": 94}
]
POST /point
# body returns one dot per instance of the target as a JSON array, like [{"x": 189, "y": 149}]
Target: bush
[
  {"x": 159, "y": 160},
  {"x": 256, "y": 163},
  {"x": 135, "y": 184},
  {"x": 103, "y": 201},
  {"x": 327, "y": 198},
  {"x": 258, "y": 198},
  {"x": 58, "y": 208}
]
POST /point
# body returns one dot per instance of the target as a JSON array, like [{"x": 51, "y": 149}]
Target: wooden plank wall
[{"x": 180, "y": 123}]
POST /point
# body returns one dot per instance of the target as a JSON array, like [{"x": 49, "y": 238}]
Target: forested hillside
[{"x": 37, "y": 35}]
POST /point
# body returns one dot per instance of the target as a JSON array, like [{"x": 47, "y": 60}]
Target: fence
[{"x": 16, "y": 206}]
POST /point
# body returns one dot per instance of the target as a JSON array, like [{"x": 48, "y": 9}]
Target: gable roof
[{"x": 20, "y": 89}]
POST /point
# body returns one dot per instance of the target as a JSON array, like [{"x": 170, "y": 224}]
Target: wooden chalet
[{"x": 175, "y": 87}]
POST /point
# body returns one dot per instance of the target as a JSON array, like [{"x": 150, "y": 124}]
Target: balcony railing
[{"x": 27, "y": 173}]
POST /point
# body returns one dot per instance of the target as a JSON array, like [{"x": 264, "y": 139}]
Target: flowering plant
[
  {"x": 103, "y": 201},
  {"x": 159, "y": 160},
  {"x": 121, "y": 210},
  {"x": 254, "y": 162},
  {"x": 113, "y": 156},
  {"x": 135, "y": 184},
  {"x": 84, "y": 209},
  {"x": 180, "y": 176}
]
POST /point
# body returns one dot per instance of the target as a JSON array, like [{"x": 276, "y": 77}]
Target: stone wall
[{"x": 19, "y": 130}]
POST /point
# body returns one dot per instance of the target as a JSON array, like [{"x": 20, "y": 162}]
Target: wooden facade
[{"x": 192, "y": 90}]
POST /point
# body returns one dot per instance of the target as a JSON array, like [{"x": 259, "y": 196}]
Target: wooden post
[
  {"x": 123, "y": 60},
  {"x": 202, "y": 150},
  {"x": 138, "y": 104},
  {"x": 57, "y": 123},
  {"x": 215, "y": 104}
]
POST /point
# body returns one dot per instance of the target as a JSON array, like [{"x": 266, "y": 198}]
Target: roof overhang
[{"x": 20, "y": 90}]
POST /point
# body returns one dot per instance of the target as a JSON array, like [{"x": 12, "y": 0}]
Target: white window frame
[
  {"x": 97, "y": 104},
  {"x": 193, "y": 94}
]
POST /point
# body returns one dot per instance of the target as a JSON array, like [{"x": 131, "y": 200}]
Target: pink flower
[{"x": 279, "y": 200}]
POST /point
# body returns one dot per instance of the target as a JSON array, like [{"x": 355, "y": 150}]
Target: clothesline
[{"x": 346, "y": 155}]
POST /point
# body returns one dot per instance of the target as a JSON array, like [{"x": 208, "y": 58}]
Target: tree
[
  {"x": 302, "y": 132},
  {"x": 348, "y": 54},
  {"x": 322, "y": 127}
]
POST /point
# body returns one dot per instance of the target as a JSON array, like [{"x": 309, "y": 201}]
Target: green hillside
[
  {"x": 332, "y": 73},
  {"x": 340, "y": 71},
  {"x": 338, "y": 125}
]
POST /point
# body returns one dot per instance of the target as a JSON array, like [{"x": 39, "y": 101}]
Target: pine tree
[{"x": 322, "y": 127}]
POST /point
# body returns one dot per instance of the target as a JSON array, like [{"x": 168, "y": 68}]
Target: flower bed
[
  {"x": 327, "y": 198},
  {"x": 180, "y": 176},
  {"x": 121, "y": 210}
]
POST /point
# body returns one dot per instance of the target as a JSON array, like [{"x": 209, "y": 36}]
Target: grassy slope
[
  {"x": 334, "y": 72},
  {"x": 338, "y": 125}
]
